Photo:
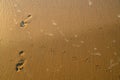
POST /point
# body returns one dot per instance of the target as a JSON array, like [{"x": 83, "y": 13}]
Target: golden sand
[{"x": 60, "y": 39}]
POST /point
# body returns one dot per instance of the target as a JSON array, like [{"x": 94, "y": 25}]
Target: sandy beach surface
[{"x": 59, "y": 39}]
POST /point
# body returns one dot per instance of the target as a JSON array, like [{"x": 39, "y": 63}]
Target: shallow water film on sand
[{"x": 59, "y": 39}]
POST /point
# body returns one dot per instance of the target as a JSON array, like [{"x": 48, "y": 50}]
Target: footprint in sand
[
  {"x": 21, "y": 53},
  {"x": 20, "y": 64},
  {"x": 26, "y": 21}
]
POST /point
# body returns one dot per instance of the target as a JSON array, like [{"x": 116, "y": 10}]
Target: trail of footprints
[{"x": 21, "y": 62}]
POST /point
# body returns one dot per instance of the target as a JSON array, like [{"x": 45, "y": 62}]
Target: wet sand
[{"x": 61, "y": 40}]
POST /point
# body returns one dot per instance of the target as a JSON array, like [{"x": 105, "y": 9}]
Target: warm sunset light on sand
[{"x": 59, "y": 39}]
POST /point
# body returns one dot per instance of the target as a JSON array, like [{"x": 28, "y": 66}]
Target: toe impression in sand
[{"x": 20, "y": 65}]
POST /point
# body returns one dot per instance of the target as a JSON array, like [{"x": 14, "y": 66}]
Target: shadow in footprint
[
  {"x": 24, "y": 22},
  {"x": 21, "y": 53},
  {"x": 20, "y": 65}
]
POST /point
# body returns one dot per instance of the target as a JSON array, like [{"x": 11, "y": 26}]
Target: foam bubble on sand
[
  {"x": 47, "y": 69},
  {"x": 19, "y": 10},
  {"x": 96, "y": 54},
  {"x": 114, "y": 41},
  {"x": 41, "y": 30},
  {"x": 111, "y": 61},
  {"x": 54, "y": 23},
  {"x": 15, "y": 5},
  {"x": 95, "y": 48},
  {"x": 118, "y": 15},
  {"x": 75, "y": 35},
  {"x": 90, "y": 3},
  {"x": 66, "y": 39},
  {"x": 82, "y": 42},
  {"x": 112, "y": 64},
  {"x": 115, "y": 53},
  {"x": 50, "y": 34},
  {"x": 108, "y": 47},
  {"x": 63, "y": 35}
]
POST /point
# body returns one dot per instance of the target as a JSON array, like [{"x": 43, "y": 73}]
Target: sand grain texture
[{"x": 61, "y": 40}]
